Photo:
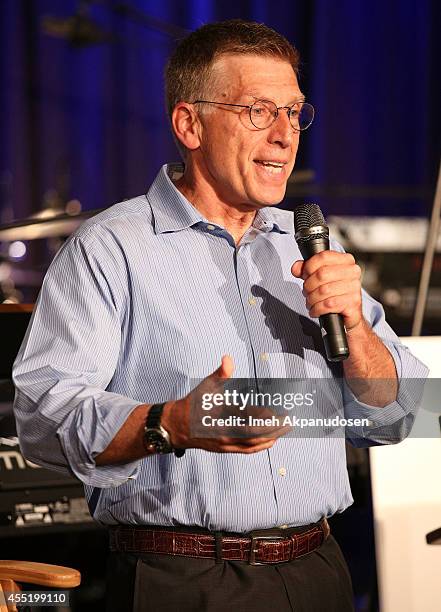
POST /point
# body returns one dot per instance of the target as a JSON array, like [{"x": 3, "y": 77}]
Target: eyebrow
[{"x": 300, "y": 98}]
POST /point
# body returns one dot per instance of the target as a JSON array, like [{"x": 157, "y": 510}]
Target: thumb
[
  {"x": 225, "y": 370},
  {"x": 297, "y": 268}
]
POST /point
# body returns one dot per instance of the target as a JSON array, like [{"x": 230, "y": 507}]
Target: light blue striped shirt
[{"x": 141, "y": 301}]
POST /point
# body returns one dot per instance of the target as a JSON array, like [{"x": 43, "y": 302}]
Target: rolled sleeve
[
  {"x": 393, "y": 422},
  {"x": 65, "y": 415},
  {"x": 71, "y": 447}
]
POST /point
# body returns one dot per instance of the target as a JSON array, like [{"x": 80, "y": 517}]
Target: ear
[{"x": 186, "y": 125}]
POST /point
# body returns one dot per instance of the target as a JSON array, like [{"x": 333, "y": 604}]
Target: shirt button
[
  {"x": 210, "y": 227},
  {"x": 264, "y": 356},
  {"x": 251, "y": 301},
  {"x": 282, "y": 471}
]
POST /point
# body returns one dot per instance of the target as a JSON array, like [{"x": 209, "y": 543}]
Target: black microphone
[{"x": 312, "y": 236}]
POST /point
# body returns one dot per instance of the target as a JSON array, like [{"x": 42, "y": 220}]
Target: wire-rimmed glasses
[{"x": 263, "y": 113}]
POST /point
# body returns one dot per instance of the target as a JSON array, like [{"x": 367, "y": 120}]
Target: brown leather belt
[{"x": 257, "y": 547}]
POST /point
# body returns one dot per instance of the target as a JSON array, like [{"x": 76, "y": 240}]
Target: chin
[{"x": 272, "y": 198}]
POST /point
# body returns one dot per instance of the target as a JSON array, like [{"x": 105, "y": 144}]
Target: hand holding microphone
[{"x": 332, "y": 286}]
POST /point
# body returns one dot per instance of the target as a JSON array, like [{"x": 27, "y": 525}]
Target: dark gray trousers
[{"x": 319, "y": 582}]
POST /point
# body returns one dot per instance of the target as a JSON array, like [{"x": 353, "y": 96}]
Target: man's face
[{"x": 235, "y": 157}]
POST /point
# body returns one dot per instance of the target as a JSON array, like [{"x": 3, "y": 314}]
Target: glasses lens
[
  {"x": 301, "y": 115},
  {"x": 262, "y": 114}
]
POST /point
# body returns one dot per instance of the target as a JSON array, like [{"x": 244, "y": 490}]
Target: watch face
[{"x": 155, "y": 442}]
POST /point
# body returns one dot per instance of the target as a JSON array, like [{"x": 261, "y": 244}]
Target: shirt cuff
[
  {"x": 88, "y": 431},
  {"x": 390, "y": 423}
]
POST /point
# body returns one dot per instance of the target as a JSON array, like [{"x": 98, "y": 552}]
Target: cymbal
[{"x": 51, "y": 227}]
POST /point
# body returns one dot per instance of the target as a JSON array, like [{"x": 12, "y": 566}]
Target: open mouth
[{"x": 272, "y": 167}]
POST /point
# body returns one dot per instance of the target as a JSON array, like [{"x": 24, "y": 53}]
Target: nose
[{"x": 281, "y": 132}]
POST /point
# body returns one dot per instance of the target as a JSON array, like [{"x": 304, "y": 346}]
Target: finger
[
  {"x": 326, "y": 258},
  {"x": 240, "y": 438},
  {"x": 234, "y": 448},
  {"x": 224, "y": 444},
  {"x": 329, "y": 290},
  {"x": 230, "y": 445},
  {"x": 257, "y": 448},
  {"x": 256, "y": 437},
  {"x": 330, "y": 274},
  {"x": 258, "y": 412},
  {"x": 347, "y": 305}
]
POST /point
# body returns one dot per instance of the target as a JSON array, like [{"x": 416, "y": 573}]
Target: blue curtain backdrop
[{"x": 89, "y": 121}]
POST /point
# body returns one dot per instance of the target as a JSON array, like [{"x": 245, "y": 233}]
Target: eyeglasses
[{"x": 263, "y": 113}]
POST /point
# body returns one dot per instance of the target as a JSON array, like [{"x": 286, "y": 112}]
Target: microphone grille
[{"x": 306, "y": 216}]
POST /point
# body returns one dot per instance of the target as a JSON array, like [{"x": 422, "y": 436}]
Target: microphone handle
[{"x": 331, "y": 325}]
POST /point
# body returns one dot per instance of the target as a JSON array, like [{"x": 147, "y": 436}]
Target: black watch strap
[{"x": 153, "y": 421}]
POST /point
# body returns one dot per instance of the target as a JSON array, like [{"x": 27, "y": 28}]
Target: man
[{"x": 196, "y": 280}]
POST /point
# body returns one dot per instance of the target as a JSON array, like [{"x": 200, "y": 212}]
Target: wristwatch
[{"x": 156, "y": 438}]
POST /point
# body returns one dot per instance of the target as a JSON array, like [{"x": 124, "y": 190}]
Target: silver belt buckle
[{"x": 254, "y": 549}]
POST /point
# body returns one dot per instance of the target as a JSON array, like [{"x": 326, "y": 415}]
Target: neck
[{"x": 236, "y": 219}]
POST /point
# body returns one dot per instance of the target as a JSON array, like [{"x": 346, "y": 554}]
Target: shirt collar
[
  {"x": 270, "y": 219},
  {"x": 172, "y": 212}
]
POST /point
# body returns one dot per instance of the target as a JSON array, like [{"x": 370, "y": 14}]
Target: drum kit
[
  {"x": 49, "y": 223},
  {"x": 23, "y": 261}
]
